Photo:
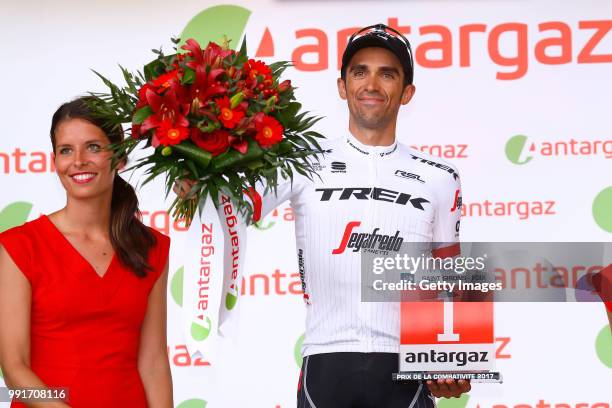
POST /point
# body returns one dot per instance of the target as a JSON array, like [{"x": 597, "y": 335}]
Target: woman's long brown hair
[{"x": 130, "y": 238}]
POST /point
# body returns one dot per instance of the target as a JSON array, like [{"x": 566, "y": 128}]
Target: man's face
[{"x": 374, "y": 87}]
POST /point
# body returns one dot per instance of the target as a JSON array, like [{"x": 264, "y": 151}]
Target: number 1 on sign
[{"x": 448, "y": 314}]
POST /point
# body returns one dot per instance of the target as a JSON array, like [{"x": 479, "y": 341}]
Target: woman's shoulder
[
  {"x": 24, "y": 232},
  {"x": 22, "y": 242},
  {"x": 161, "y": 246},
  {"x": 160, "y": 238},
  {"x": 158, "y": 256}
]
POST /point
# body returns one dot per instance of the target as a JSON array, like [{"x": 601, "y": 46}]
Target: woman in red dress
[{"x": 83, "y": 290}]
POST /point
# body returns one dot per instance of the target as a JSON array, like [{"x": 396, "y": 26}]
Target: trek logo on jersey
[
  {"x": 457, "y": 202},
  {"x": 367, "y": 241},
  {"x": 411, "y": 176},
  {"x": 338, "y": 167},
  {"x": 440, "y": 166},
  {"x": 372, "y": 193}
]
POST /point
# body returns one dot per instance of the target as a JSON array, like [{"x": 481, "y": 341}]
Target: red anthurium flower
[
  {"x": 216, "y": 142},
  {"x": 168, "y": 134},
  {"x": 269, "y": 131},
  {"x": 228, "y": 117}
]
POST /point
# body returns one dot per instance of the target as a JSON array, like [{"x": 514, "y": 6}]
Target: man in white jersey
[{"x": 373, "y": 193}]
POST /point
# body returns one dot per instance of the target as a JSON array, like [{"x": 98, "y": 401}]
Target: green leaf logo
[
  {"x": 602, "y": 209},
  {"x": 213, "y": 23},
  {"x": 603, "y": 346},
  {"x": 297, "y": 351},
  {"x": 200, "y": 332},
  {"x": 231, "y": 297},
  {"x": 176, "y": 286},
  {"x": 14, "y": 215},
  {"x": 514, "y": 148},
  {"x": 454, "y": 402},
  {"x": 192, "y": 403},
  {"x": 260, "y": 226}
]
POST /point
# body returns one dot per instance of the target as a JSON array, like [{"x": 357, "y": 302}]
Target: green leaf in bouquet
[
  {"x": 154, "y": 69},
  {"x": 193, "y": 152},
  {"x": 121, "y": 150},
  {"x": 270, "y": 102},
  {"x": 287, "y": 115},
  {"x": 236, "y": 99},
  {"x": 142, "y": 114},
  {"x": 193, "y": 168},
  {"x": 234, "y": 158},
  {"x": 234, "y": 182},
  {"x": 133, "y": 82},
  {"x": 188, "y": 76},
  {"x": 157, "y": 169},
  {"x": 255, "y": 164},
  {"x": 279, "y": 67},
  {"x": 243, "y": 47}
]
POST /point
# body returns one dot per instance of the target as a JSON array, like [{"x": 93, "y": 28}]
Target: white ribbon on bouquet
[{"x": 215, "y": 254}]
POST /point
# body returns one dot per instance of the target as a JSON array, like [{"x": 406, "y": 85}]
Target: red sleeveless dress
[{"x": 85, "y": 329}]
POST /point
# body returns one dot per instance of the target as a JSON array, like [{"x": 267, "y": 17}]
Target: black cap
[{"x": 381, "y": 36}]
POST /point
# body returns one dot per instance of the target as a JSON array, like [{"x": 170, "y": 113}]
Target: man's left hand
[{"x": 448, "y": 387}]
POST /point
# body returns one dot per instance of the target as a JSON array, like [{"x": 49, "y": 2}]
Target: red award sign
[{"x": 447, "y": 337}]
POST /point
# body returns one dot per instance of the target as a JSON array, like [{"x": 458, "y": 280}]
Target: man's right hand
[{"x": 183, "y": 187}]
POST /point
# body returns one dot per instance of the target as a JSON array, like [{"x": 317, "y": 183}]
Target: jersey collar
[{"x": 354, "y": 145}]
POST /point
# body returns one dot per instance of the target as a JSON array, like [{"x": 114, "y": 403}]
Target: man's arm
[
  {"x": 446, "y": 244},
  {"x": 268, "y": 200}
]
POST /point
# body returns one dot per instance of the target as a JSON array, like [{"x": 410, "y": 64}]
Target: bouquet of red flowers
[{"x": 213, "y": 116}]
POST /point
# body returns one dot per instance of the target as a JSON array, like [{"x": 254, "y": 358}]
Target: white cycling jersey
[{"x": 367, "y": 197}]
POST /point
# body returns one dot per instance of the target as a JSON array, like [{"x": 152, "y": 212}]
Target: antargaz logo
[
  {"x": 518, "y": 152},
  {"x": 199, "y": 330}
]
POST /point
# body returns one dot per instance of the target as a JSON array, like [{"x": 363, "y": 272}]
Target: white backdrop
[{"x": 548, "y": 353}]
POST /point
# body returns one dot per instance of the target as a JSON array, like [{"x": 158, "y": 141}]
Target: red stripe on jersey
[{"x": 447, "y": 252}]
